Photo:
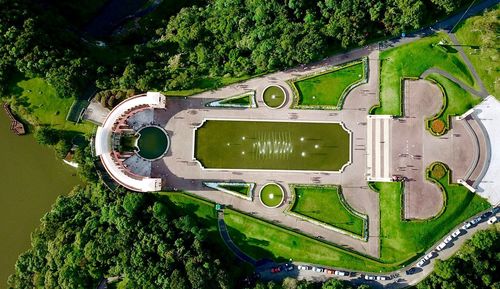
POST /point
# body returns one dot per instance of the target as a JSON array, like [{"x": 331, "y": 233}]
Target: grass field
[
  {"x": 405, "y": 240},
  {"x": 458, "y": 100},
  {"x": 37, "y": 102},
  {"x": 260, "y": 239},
  {"x": 324, "y": 204},
  {"x": 480, "y": 42},
  {"x": 327, "y": 89},
  {"x": 271, "y": 195},
  {"x": 274, "y": 96},
  {"x": 272, "y": 145},
  {"x": 240, "y": 188},
  {"x": 411, "y": 60}
]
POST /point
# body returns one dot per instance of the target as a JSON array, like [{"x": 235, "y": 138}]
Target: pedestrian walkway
[
  {"x": 378, "y": 163},
  {"x": 229, "y": 242}
]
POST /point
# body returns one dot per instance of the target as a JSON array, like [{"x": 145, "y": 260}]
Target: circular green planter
[
  {"x": 274, "y": 96},
  {"x": 271, "y": 195}
]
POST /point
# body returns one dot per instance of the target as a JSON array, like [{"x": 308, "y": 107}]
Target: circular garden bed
[
  {"x": 438, "y": 171},
  {"x": 274, "y": 96},
  {"x": 438, "y": 126},
  {"x": 271, "y": 195}
]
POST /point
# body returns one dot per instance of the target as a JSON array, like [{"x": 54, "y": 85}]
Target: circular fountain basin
[{"x": 153, "y": 142}]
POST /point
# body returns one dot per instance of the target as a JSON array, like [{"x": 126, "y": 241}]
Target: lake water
[{"x": 31, "y": 178}]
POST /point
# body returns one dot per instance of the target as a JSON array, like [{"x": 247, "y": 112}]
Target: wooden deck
[{"x": 15, "y": 126}]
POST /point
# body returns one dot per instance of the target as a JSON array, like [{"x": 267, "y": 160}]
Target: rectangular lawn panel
[
  {"x": 327, "y": 89},
  {"x": 267, "y": 145},
  {"x": 324, "y": 204}
]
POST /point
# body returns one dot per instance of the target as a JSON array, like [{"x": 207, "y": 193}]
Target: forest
[{"x": 198, "y": 44}]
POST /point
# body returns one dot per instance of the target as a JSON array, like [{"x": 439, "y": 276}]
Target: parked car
[
  {"x": 289, "y": 267},
  {"x": 448, "y": 239},
  {"x": 495, "y": 210},
  {"x": 304, "y": 267},
  {"x": 486, "y": 215},
  {"x": 475, "y": 221},
  {"x": 368, "y": 277},
  {"x": 382, "y": 278},
  {"x": 466, "y": 226},
  {"x": 429, "y": 256},
  {"x": 492, "y": 220},
  {"x": 341, "y": 273},
  {"x": 275, "y": 269},
  {"x": 411, "y": 271},
  {"x": 330, "y": 271},
  {"x": 441, "y": 246},
  {"x": 456, "y": 233},
  {"x": 318, "y": 269},
  {"x": 421, "y": 262}
]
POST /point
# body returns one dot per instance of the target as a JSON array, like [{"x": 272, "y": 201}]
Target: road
[{"x": 399, "y": 279}]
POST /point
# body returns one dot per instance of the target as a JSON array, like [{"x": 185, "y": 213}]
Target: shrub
[{"x": 438, "y": 171}]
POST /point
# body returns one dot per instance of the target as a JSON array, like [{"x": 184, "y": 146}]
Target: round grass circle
[
  {"x": 153, "y": 142},
  {"x": 271, "y": 195},
  {"x": 274, "y": 96}
]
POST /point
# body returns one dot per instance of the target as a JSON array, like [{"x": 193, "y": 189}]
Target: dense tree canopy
[
  {"x": 94, "y": 233},
  {"x": 476, "y": 265},
  {"x": 213, "y": 39}
]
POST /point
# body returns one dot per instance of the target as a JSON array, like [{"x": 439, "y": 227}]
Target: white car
[
  {"x": 368, "y": 277},
  {"x": 448, "y": 239},
  {"x": 382, "y": 278},
  {"x": 429, "y": 256},
  {"x": 441, "y": 246},
  {"x": 421, "y": 263},
  {"x": 341, "y": 273},
  {"x": 466, "y": 226},
  {"x": 304, "y": 267},
  {"x": 492, "y": 220},
  {"x": 456, "y": 233}
]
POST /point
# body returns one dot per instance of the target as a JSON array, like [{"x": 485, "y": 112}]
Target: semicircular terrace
[
  {"x": 483, "y": 177},
  {"x": 112, "y": 160}
]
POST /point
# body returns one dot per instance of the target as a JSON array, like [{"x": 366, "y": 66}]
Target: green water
[
  {"x": 152, "y": 143},
  {"x": 31, "y": 179}
]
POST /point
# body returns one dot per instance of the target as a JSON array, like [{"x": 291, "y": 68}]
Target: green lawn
[
  {"x": 271, "y": 195},
  {"x": 260, "y": 239},
  {"x": 411, "y": 60},
  {"x": 480, "y": 42},
  {"x": 406, "y": 240},
  {"x": 272, "y": 145},
  {"x": 458, "y": 100},
  {"x": 274, "y": 96},
  {"x": 37, "y": 102},
  {"x": 324, "y": 204},
  {"x": 240, "y": 188},
  {"x": 327, "y": 89}
]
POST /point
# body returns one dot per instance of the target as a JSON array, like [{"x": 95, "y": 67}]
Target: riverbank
[{"x": 32, "y": 178}]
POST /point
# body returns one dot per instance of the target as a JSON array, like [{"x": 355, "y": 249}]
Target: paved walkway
[{"x": 229, "y": 242}]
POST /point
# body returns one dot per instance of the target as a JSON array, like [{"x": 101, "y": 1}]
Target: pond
[{"x": 31, "y": 180}]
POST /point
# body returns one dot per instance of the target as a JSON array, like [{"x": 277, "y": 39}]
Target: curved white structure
[
  {"x": 487, "y": 115},
  {"x": 103, "y": 143}
]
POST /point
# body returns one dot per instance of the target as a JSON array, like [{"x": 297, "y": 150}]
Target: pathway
[{"x": 229, "y": 242}]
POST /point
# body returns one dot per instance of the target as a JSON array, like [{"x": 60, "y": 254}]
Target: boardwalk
[{"x": 15, "y": 126}]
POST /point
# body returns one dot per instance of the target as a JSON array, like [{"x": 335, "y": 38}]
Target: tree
[{"x": 46, "y": 136}]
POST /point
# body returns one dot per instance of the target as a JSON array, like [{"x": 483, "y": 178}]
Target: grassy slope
[
  {"x": 41, "y": 105},
  {"x": 459, "y": 100},
  {"x": 411, "y": 60},
  {"x": 486, "y": 60},
  {"x": 404, "y": 240},
  {"x": 327, "y": 88},
  {"x": 324, "y": 204},
  {"x": 264, "y": 240}
]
